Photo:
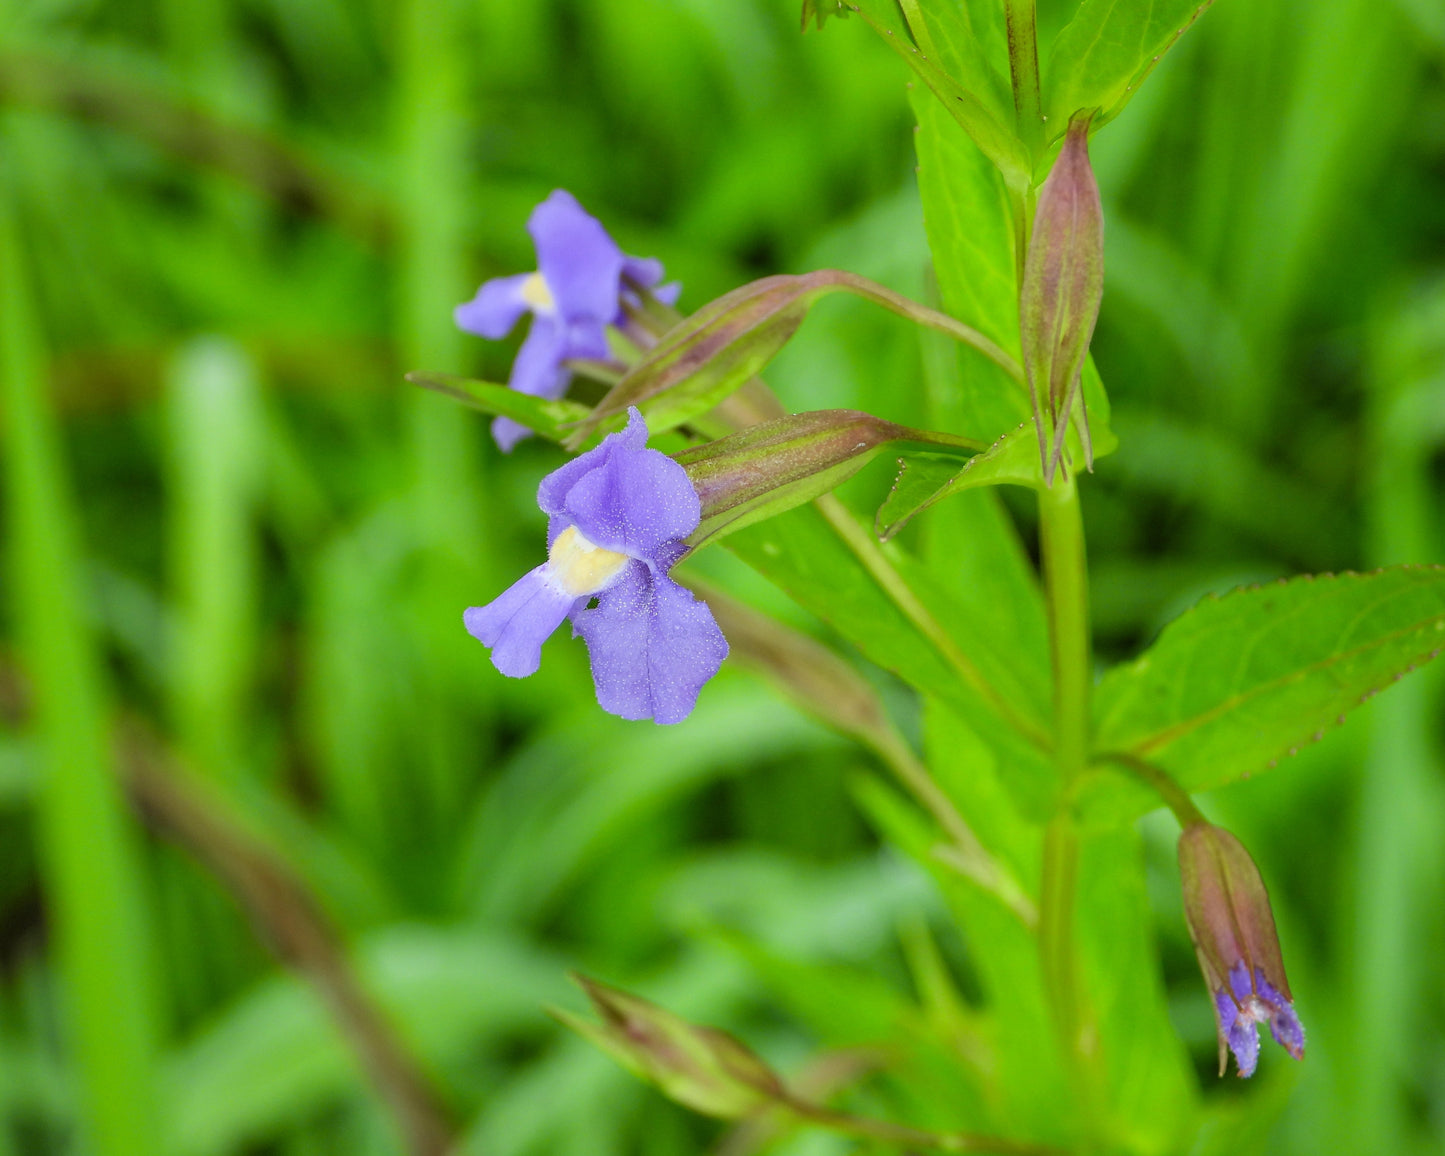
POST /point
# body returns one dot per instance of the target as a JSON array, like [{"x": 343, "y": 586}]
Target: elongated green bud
[
  {"x": 702, "y": 1068},
  {"x": 762, "y": 471},
  {"x": 1063, "y": 284}
]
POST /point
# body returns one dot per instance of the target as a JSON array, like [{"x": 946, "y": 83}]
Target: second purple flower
[{"x": 577, "y": 291}]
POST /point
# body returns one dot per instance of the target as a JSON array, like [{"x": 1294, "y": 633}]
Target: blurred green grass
[{"x": 231, "y": 225}]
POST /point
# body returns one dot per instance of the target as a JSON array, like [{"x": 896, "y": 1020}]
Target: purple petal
[
  {"x": 581, "y": 263},
  {"x": 507, "y": 433},
  {"x": 552, "y": 493},
  {"x": 645, "y": 271},
  {"x": 538, "y": 369},
  {"x": 495, "y": 309},
  {"x": 1284, "y": 1024},
  {"x": 1243, "y": 1039},
  {"x": 586, "y": 338},
  {"x": 1238, "y": 1031},
  {"x": 652, "y": 646},
  {"x": 518, "y": 621},
  {"x": 639, "y": 502},
  {"x": 1239, "y": 982},
  {"x": 1288, "y": 1032},
  {"x": 669, "y": 293}
]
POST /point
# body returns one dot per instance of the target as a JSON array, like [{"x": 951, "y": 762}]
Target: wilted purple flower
[
  {"x": 577, "y": 291},
  {"x": 618, "y": 515},
  {"x": 1244, "y": 1006},
  {"x": 1229, "y": 917}
]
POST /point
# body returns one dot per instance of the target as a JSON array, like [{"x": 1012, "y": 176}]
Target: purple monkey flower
[
  {"x": 618, "y": 515},
  {"x": 1230, "y": 922},
  {"x": 577, "y": 291}
]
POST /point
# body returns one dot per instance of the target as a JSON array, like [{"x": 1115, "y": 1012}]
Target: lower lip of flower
[{"x": 581, "y": 567}]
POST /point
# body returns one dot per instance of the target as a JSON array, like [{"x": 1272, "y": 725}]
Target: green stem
[
  {"x": 1160, "y": 782},
  {"x": 1023, "y": 61},
  {"x": 1066, "y": 581},
  {"x": 1061, "y": 535}
]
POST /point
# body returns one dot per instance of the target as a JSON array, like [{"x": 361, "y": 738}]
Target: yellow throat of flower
[
  {"x": 537, "y": 294},
  {"x": 581, "y": 567}
]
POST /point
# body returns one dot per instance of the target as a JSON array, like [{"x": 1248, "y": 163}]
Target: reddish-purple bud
[
  {"x": 1059, "y": 297},
  {"x": 702, "y": 1068},
  {"x": 1230, "y": 922}
]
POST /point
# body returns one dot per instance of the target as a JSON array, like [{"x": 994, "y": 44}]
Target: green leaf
[
  {"x": 965, "y": 45},
  {"x": 1012, "y": 460},
  {"x": 1099, "y": 59},
  {"x": 770, "y": 468},
  {"x": 555, "y": 421},
  {"x": 900, "y": 616},
  {"x": 990, "y": 127},
  {"x": 970, "y": 232},
  {"x": 727, "y": 342},
  {"x": 1139, "y": 1052},
  {"x": 94, "y": 879},
  {"x": 1143, "y": 1060},
  {"x": 1026, "y": 1075},
  {"x": 1240, "y": 682},
  {"x": 550, "y": 419}
]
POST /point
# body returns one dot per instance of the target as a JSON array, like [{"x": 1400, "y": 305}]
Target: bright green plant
[{"x": 1032, "y": 772}]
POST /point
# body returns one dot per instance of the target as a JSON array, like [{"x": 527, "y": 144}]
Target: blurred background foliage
[{"x": 236, "y": 539}]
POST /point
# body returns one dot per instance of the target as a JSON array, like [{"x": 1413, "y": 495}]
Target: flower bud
[
  {"x": 1063, "y": 283},
  {"x": 1230, "y": 922},
  {"x": 702, "y": 1068},
  {"x": 769, "y": 468}
]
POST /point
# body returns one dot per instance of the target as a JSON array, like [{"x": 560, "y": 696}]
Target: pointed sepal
[{"x": 702, "y": 1068}]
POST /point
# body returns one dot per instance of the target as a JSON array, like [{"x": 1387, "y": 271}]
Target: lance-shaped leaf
[
  {"x": 1013, "y": 460},
  {"x": 1063, "y": 284},
  {"x": 773, "y": 467},
  {"x": 703, "y": 1068},
  {"x": 1099, "y": 59},
  {"x": 1240, "y": 682},
  {"x": 554, "y": 421},
  {"x": 976, "y": 104},
  {"x": 888, "y": 604},
  {"x": 724, "y": 344},
  {"x": 550, "y": 419}
]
